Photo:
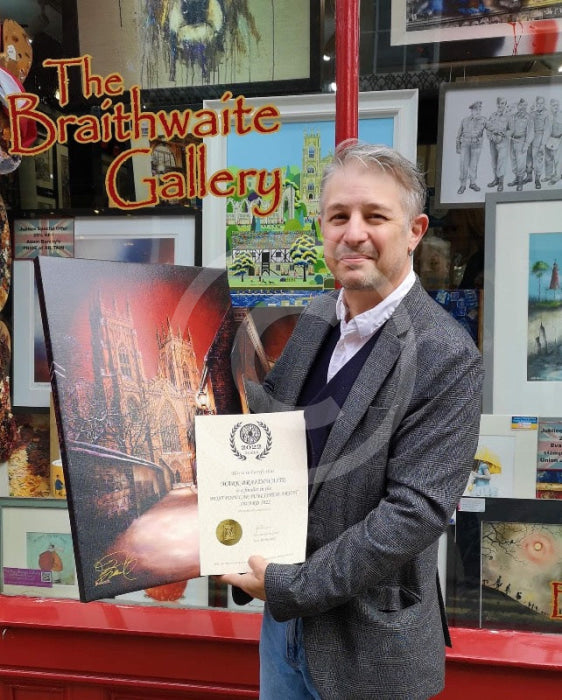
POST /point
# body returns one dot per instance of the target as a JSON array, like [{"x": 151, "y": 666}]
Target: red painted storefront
[{"x": 66, "y": 650}]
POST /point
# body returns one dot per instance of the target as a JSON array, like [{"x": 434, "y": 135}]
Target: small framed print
[
  {"x": 505, "y": 458},
  {"x": 503, "y": 566},
  {"x": 36, "y": 549}
]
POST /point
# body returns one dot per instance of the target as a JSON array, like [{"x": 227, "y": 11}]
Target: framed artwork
[
  {"x": 173, "y": 49},
  {"x": 508, "y": 28},
  {"x": 503, "y": 566},
  {"x": 36, "y": 549},
  {"x": 165, "y": 238},
  {"x": 504, "y": 463},
  {"x": 283, "y": 251},
  {"x": 139, "y": 350},
  {"x": 498, "y": 136},
  {"x": 522, "y": 304},
  {"x": 27, "y": 471}
]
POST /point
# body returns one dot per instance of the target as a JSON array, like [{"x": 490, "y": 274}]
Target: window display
[{"x": 481, "y": 115}]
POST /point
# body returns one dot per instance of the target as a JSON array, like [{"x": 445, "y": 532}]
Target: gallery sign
[{"x": 125, "y": 123}]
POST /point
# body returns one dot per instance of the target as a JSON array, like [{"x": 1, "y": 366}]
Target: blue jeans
[{"x": 283, "y": 670}]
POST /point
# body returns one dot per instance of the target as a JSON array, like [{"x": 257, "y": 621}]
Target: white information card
[{"x": 252, "y": 482}]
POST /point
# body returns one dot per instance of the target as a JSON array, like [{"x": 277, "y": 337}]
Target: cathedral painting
[{"x": 136, "y": 352}]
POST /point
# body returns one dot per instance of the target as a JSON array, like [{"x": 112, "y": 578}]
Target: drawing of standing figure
[
  {"x": 469, "y": 146},
  {"x": 520, "y": 129},
  {"x": 552, "y": 146},
  {"x": 541, "y": 131},
  {"x": 496, "y": 128}
]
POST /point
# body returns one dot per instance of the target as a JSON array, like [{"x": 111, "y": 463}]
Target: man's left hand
[{"x": 253, "y": 582}]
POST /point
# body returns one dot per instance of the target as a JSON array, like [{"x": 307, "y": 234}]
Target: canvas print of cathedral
[{"x": 136, "y": 352}]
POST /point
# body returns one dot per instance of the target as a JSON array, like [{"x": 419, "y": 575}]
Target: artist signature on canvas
[{"x": 114, "y": 564}]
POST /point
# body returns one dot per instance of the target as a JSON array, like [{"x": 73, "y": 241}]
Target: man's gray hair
[{"x": 380, "y": 158}]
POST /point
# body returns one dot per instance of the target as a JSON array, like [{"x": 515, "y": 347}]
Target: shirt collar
[{"x": 366, "y": 323}]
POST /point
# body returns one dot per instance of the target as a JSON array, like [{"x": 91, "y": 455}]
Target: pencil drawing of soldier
[
  {"x": 469, "y": 146},
  {"x": 520, "y": 130},
  {"x": 496, "y": 129},
  {"x": 540, "y": 117},
  {"x": 552, "y": 145}
]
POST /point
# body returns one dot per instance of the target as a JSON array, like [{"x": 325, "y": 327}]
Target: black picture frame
[
  {"x": 455, "y": 104},
  {"x": 502, "y": 602},
  {"x": 191, "y": 92}
]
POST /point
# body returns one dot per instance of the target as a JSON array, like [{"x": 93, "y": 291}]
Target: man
[
  {"x": 469, "y": 146},
  {"x": 520, "y": 129},
  {"x": 540, "y": 117},
  {"x": 496, "y": 128},
  {"x": 390, "y": 384},
  {"x": 552, "y": 145}
]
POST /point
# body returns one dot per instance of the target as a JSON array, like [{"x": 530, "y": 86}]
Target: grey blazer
[{"x": 392, "y": 471}]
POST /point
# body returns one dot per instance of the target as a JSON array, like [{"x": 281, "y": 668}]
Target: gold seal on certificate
[
  {"x": 229, "y": 532},
  {"x": 252, "y": 482}
]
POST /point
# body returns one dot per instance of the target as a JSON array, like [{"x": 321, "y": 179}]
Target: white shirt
[{"x": 361, "y": 328}]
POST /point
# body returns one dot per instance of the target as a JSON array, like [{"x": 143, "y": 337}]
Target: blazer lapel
[
  {"x": 309, "y": 335},
  {"x": 378, "y": 366}
]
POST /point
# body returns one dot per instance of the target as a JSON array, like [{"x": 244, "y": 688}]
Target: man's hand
[{"x": 253, "y": 582}]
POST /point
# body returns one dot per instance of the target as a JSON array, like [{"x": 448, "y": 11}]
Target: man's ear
[{"x": 418, "y": 228}]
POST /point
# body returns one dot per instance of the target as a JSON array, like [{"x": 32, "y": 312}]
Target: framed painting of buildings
[
  {"x": 137, "y": 351},
  {"x": 165, "y": 238},
  {"x": 522, "y": 304},
  {"x": 503, "y": 566},
  {"x": 180, "y": 51},
  {"x": 500, "y": 136},
  {"x": 282, "y": 252}
]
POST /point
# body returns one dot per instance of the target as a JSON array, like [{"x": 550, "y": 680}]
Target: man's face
[
  {"x": 502, "y": 106},
  {"x": 367, "y": 233},
  {"x": 555, "y": 106},
  {"x": 539, "y": 104},
  {"x": 476, "y": 110}
]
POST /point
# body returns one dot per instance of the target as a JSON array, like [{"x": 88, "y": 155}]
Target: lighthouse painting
[{"x": 544, "y": 340}]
